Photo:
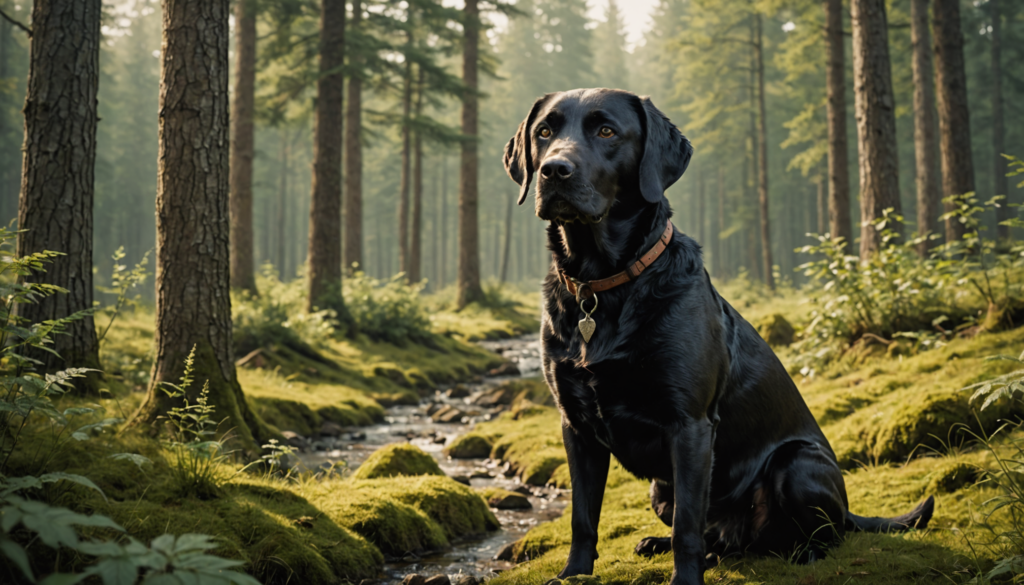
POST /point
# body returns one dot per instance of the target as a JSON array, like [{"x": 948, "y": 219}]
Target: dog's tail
[{"x": 916, "y": 518}]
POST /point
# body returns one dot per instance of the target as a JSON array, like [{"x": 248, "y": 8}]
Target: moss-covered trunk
[{"x": 193, "y": 307}]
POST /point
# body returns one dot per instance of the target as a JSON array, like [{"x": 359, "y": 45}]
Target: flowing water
[{"x": 472, "y": 556}]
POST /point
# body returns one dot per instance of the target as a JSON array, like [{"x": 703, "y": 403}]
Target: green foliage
[
  {"x": 389, "y": 311},
  {"x": 196, "y": 455},
  {"x": 123, "y": 281},
  {"x": 278, "y": 316},
  {"x": 897, "y": 294}
]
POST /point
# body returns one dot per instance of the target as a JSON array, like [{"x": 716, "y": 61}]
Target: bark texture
[
  {"x": 954, "y": 119},
  {"x": 242, "y": 109},
  {"x": 926, "y": 147},
  {"x": 193, "y": 307},
  {"x": 403, "y": 189},
  {"x": 57, "y": 180},
  {"x": 999, "y": 167},
  {"x": 839, "y": 221},
  {"x": 353, "y": 233},
  {"x": 324, "y": 269},
  {"x": 281, "y": 209},
  {"x": 762, "y": 169},
  {"x": 416, "y": 233},
  {"x": 876, "y": 119},
  {"x": 469, "y": 237}
]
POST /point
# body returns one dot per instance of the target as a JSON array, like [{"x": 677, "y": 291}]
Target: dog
[{"x": 647, "y": 362}]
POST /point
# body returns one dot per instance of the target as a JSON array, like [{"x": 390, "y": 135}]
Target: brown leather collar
[{"x": 586, "y": 289}]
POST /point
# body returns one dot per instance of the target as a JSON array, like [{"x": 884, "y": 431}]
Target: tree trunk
[
  {"x": 353, "y": 251},
  {"x": 954, "y": 119},
  {"x": 719, "y": 227},
  {"x": 193, "y": 307},
  {"x": 403, "y": 195},
  {"x": 999, "y": 168},
  {"x": 876, "y": 120},
  {"x": 242, "y": 272},
  {"x": 57, "y": 185},
  {"x": 749, "y": 183},
  {"x": 762, "y": 169},
  {"x": 840, "y": 225},
  {"x": 324, "y": 270},
  {"x": 444, "y": 222},
  {"x": 281, "y": 211},
  {"x": 416, "y": 240},
  {"x": 925, "y": 144},
  {"x": 469, "y": 253},
  {"x": 508, "y": 239},
  {"x": 822, "y": 207},
  {"x": 700, "y": 207}
]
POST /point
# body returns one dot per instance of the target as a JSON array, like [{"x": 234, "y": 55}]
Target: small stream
[{"x": 471, "y": 556}]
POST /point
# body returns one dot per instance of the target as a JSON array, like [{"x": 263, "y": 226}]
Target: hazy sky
[{"x": 636, "y": 13}]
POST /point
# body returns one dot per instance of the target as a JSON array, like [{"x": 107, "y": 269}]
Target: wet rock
[
  {"x": 360, "y": 436},
  {"x": 469, "y": 446},
  {"x": 523, "y": 489},
  {"x": 458, "y": 391},
  {"x": 440, "y": 440},
  {"x": 507, "y": 552},
  {"x": 367, "y": 582},
  {"x": 463, "y": 580},
  {"x": 331, "y": 429},
  {"x": 435, "y": 408},
  {"x": 461, "y": 479},
  {"x": 448, "y": 414},
  {"x": 505, "y": 500},
  {"x": 776, "y": 330},
  {"x": 481, "y": 473},
  {"x": 294, "y": 439},
  {"x": 500, "y": 395},
  {"x": 438, "y": 580},
  {"x": 505, "y": 369},
  {"x": 414, "y": 579},
  {"x": 508, "y": 470}
]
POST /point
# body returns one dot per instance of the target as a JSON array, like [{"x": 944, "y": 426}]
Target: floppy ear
[
  {"x": 518, "y": 159},
  {"x": 666, "y": 151}
]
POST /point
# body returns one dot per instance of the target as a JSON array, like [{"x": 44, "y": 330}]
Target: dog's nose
[{"x": 557, "y": 168}]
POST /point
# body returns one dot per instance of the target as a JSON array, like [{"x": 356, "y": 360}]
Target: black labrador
[{"x": 674, "y": 382}]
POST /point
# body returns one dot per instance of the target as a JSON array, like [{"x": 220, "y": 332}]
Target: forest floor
[{"x": 887, "y": 415}]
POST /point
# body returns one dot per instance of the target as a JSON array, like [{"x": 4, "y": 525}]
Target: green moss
[
  {"x": 469, "y": 446},
  {"x": 503, "y": 499},
  {"x": 513, "y": 314},
  {"x": 560, "y": 477},
  {"x": 397, "y": 459},
  {"x": 775, "y": 329}
]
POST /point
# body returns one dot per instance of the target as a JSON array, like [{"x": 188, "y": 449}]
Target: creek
[{"x": 470, "y": 556}]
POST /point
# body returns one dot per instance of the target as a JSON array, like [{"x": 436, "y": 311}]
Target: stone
[
  {"x": 507, "y": 553},
  {"x": 776, "y": 330},
  {"x": 505, "y": 369},
  {"x": 331, "y": 429},
  {"x": 438, "y": 580},
  {"x": 458, "y": 391},
  {"x": 360, "y": 436},
  {"x": 435, "y": 407},
  {"x": 481, "y": 473},
  {"x": 523, "y": 489},
  {"x": 509, "y": 501},
  {"x": 464, "y": 580},
  {"x": 448, "y": 414},
  {"x": 439, "y": 440},
  {"x": 499, "y": 395},
  {"x": 461, "y": 479},
  {"x": 294, "y": 439},
  {"x": 414, "y": 579}
]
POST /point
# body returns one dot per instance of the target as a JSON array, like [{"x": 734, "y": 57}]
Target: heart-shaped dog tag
[{"x": 587, "y": 326}]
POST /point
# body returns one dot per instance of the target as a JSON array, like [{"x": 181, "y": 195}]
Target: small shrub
[
  {"x": 389, "y": 310},
  {"x": 278, "y": 316}
]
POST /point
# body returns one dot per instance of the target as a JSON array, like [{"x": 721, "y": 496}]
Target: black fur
[{"x": 675, "y": 383}]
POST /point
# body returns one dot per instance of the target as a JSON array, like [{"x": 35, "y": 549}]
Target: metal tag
[{"x": 587, "y": 326}]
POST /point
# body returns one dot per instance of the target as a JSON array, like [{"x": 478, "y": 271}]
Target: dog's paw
[{"x": 653, "y": 545}]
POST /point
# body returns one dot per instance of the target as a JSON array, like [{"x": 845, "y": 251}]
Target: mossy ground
[
  {"x": 399, "y": 459},
  {"x": 506, "y": 311},
  {"x": 889, "y": 419}
]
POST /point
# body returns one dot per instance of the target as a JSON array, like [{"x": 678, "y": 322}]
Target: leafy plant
[
  {"x": 389, "y": 310},
  {"x": 196, "y": 456},
  {"x": 122, "y": 281}
]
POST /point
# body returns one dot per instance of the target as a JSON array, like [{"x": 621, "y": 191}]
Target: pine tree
[
  {"x": 925, "y": 145},
  {"x": 469, "y": 289},
  {"x": 243, "y": 147},
  {"x": 610, "y": 50},
  {"x": 57, "y": 182}
]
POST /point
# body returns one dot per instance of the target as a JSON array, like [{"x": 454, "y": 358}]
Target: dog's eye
[
  {"x": 544, "y": 133},
  {"x": 605, "y": 132}
]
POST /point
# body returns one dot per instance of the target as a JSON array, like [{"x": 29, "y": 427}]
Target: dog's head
[{"x": 591, "y": 147}]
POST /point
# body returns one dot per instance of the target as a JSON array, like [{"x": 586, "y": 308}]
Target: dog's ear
[
  {"x": 666, "y": 151},
  {"x": 518, "y": 158}
]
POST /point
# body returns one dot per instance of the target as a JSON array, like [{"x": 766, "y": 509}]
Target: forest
[{"x": 270, "y": 311}]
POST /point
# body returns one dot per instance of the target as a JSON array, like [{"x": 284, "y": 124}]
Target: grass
[
  {"x": 888, "y": 417},
  {"x": 506, "y": 311}
]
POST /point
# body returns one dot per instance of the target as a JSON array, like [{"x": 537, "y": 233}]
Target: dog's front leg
[
  {"x": 691, "y": 447},
  {"x": 588, "y": 471}
]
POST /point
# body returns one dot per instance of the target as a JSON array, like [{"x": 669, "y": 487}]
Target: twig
[
  {"x": 881, "y": 340},
  {"x": 16, "y": 23}
]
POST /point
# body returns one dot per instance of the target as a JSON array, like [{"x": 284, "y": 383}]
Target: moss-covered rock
[
  {"x": 560, "y": 477},
  {"x": 472, "y": 445},
  {"x": 504, "y": 499},
  {"x": 397, "y": 459},
  {"x": 952, "y": 476},
  {"x": 776, "y": 330}
]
